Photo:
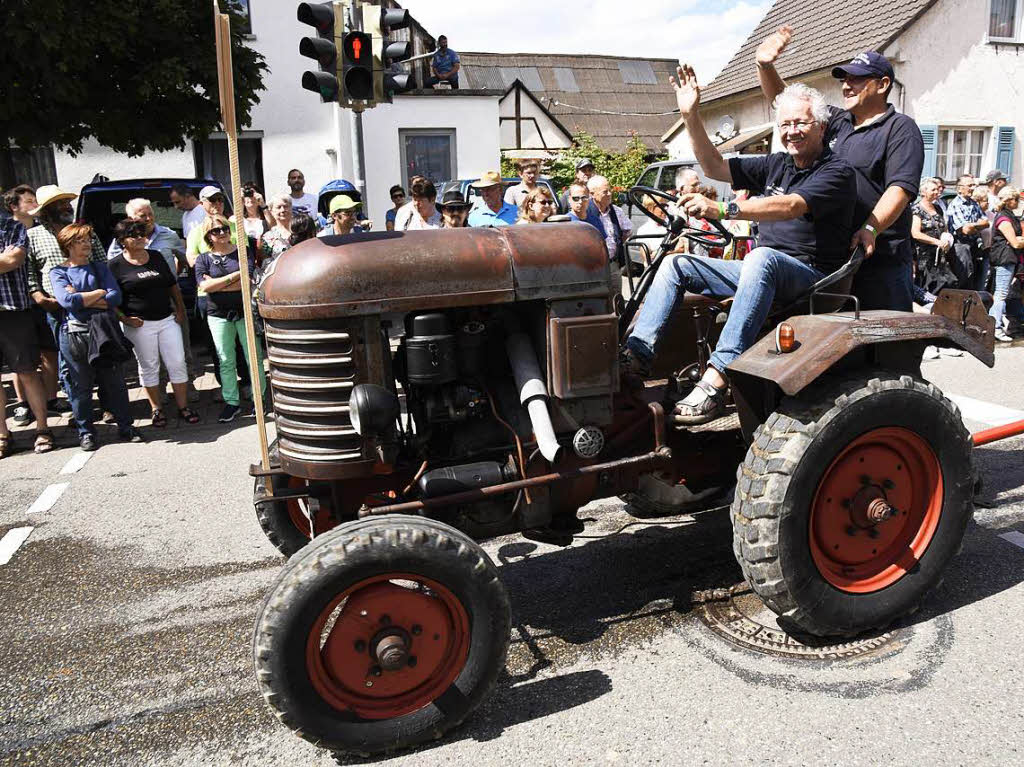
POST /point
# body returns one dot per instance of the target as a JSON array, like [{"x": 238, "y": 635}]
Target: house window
[
  {"x": 211, "y": 160},
  {"x": 34, "y": 167},
  {"x": 242, "y": 8},
  {"x": 1004, "y": 20},
  {"x": 961, "y": 151},
  {"x": 429, "y": 153}
]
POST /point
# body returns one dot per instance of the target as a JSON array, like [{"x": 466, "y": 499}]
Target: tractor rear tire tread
[{"x": 763, "y": 481}]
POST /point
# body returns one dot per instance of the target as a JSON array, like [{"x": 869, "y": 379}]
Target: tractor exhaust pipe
[{"x": 533, "y": 393}]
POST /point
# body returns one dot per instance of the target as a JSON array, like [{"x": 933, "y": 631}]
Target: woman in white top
[
  {"x": 256, "y": 216},
  {"x": 276, "y": 240},
  {"x": 425, "y": 214}
]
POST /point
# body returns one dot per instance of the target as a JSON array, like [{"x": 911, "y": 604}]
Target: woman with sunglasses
[
  {"x": 398, "y": 198},
  {"x": 152, "y": 311},
  {"x": 537, "y": 206},
  {"x": 217, "y": 272}
]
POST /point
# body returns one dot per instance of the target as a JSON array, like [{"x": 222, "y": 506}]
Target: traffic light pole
[{"x": 355, "y": 21}]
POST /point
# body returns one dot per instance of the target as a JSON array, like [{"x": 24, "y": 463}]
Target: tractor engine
[{"x": 432, "y": 363}]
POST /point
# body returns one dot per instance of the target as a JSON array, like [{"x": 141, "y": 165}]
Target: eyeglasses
[
  {"x": 548, "y": 202},
  {"x": 216, "y": 198},
  {"x": 220, "y": 230},
  {"x": 339, "y": 213},
  {"x": 398, "y": 197},
  {"x": 574, "y": 198},
  {"x": 799, "y": 125}
]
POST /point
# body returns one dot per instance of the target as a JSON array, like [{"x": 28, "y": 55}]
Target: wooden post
[{"x": 222, "y": 24}]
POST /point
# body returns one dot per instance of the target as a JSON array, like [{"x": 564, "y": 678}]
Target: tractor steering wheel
[{"x": 676, "y": 223}]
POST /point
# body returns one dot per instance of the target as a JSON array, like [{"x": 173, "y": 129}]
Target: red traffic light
[{"x": 358, "y": 48}]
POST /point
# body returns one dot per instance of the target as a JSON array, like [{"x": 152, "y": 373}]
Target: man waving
[
  {"x": 886, "y": 150},
  {"x": 806, "y": 220}
]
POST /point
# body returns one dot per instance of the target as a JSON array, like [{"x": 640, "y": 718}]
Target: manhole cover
[{"x": 739, "y": 616}]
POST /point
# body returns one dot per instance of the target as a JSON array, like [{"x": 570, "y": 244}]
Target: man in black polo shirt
[
  {"x": 886, "y": 151},
  {"x": 806, "y": 216}
]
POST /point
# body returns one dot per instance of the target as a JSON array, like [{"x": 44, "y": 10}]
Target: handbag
[{"x": 108, "y": 344}]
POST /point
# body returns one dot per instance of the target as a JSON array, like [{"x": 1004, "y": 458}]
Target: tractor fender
[{"x": 958, "y": 318}]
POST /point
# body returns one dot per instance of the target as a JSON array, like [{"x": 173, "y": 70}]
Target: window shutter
[
  {"x": 930, "y": 134},
  {"x": 1004, "y": 150}
]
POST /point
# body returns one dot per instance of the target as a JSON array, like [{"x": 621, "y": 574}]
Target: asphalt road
[{"x": 127, "y": 617}]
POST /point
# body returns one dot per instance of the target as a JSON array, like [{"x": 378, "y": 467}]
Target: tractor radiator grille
[{"x": 312, "y": 371}]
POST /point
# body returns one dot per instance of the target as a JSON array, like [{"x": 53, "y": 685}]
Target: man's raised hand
[
  {"x": 773, "y": 45},
  {"x": 686, "y": 88}
]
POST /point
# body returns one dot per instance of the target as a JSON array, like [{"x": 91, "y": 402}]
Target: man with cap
[
  {"x": 994, "y": 180},
  {"x": 342, "y": 211},
  {"x": 886, "y": 151},
  {"x": 454, "y": 209},
  {"x": 584, "y": 170},
  {"x": 212, "y": 199},
  {"x": 53, "y": 212},
  {"x": 491, "y": 209}
]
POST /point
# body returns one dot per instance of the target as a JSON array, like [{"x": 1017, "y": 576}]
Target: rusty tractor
[{"x": 434, "y": 389}]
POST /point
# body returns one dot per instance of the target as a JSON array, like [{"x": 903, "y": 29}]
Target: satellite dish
[{"x": 726, "y": 126}]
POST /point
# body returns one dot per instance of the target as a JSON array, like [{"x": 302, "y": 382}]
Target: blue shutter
[
  {"x": 930, "y": 134},
  {"x": 1004, "y": 150}
]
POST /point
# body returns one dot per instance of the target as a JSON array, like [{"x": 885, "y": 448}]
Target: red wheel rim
[
  {"x": 322, "y": 520},
  {"x": 343, "y": 658},
  {"x": 897, "y": 467}
]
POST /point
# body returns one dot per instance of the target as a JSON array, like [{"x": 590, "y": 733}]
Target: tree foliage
[
  {"x": 135, "y": 76},
  {"x": 622, "y": 169}
]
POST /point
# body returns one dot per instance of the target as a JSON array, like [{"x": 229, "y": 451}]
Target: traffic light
[
  {"x": 381, "y": 22},
  {"x": 328, "y": 21},
  {"x": 357, "y": 67}
]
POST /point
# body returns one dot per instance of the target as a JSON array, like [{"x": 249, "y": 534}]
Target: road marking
[
  {"x": 47, "y": 498},
  {"x": 77, "y": 462},
  {"x": 12, "y": 541},
  {"x": 1014, "y": 537},
  {"x": 985, "y": 412}
]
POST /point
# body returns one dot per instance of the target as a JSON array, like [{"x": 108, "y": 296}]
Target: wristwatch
[{"x": 732, "y": 210}]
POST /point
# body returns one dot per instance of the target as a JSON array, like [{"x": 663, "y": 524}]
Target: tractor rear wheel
[
  {"x": 382, "y": 634},
  {"x": 852, "y": 500}
]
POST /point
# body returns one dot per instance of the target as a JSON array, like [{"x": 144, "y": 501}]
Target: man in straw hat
[{"x": 491, "y": 209}]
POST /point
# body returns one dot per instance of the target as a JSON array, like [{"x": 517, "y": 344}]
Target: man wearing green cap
[{"x": 342, "y": 212}]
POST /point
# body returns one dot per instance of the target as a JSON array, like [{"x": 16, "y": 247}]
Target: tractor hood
[{"x": 349, "y": 275}]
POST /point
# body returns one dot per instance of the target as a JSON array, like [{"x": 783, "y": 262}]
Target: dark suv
[{"x": 102, "y": 204}]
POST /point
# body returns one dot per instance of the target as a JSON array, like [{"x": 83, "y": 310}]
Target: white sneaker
[
  {"x": 950, "y": 352},
  {"x": 1001, "y": 336},
  {"x": 931, "y": 353}
]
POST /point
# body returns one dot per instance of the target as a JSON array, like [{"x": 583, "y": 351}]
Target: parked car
[
  {"x": 102, "y": 204},
  {"x": 470, "y": 194}
]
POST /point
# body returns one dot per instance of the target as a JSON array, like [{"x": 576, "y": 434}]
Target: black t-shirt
[
  {"x": 888, "y": 152},
  {"x": 821, "y": 237},
  {"x": 221, "y": 303},
  {"x": 146, "y": 289}
]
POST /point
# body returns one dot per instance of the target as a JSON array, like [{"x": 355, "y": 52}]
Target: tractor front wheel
[
  {"x": 851, "y": 502},
  {"x": 382, "y": 634}
]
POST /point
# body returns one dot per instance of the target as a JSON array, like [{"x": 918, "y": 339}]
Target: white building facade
[
  {"x": 960, "y": 82},
  {"x": 454, "y": 131}
]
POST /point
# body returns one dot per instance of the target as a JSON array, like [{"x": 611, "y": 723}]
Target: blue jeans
[
  {"x": 1004, "y": 276},
  {"x": 762, "y": 277},
  {"x": 82, "y": 376},
  {"x": 56, "y": 321},
  {"x": 982, "y": 269}
]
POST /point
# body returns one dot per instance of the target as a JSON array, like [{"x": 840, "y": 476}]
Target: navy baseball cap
[{"x": 867, "y": 64}]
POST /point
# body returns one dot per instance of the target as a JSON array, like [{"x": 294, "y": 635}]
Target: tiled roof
[
  {"x": 826, "y": 33},
  {"x": 591, "y": 83}
]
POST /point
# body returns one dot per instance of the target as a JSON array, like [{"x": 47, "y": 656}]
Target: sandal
[
  {"x": 188, "y": 415},
  {"x": 5, "y": 446},
  {"x": 159, "y": 419},
  {"x": 44, "y": 441},
  {"x": 705, "y": 403}
]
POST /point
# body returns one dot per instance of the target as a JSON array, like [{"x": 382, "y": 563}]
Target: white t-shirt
[
  {"x": 190, "y": 219},
  {"x": 306, "y": 203},
  {"x": 404, "y": 216}
]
